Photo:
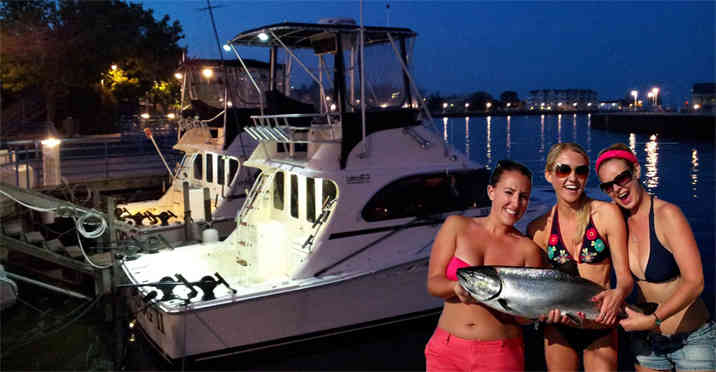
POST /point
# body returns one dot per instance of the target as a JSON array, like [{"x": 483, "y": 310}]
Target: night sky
[{"x": 462, "y": 47}]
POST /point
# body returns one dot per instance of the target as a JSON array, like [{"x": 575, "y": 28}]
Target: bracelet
[{"x": 657, "y": 321}]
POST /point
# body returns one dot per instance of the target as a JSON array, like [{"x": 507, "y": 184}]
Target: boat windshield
[{"x": 320, "y": 65}]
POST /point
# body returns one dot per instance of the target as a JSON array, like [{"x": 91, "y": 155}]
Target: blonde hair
[{"x": 585, "y": 210}]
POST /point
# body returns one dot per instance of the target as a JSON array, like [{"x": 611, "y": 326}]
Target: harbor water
[{"x": 679, "y": 170}]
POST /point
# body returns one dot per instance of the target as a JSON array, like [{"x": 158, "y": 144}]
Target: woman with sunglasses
[
  {"x": 665, "y": 261},
  {"x": 469, "y": 335},
  {"x": 586, "y": 238}
]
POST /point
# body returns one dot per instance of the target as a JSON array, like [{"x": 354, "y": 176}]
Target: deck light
[
  {"x": 263, "y": 36},
  {"x": 145, "y": 116},
  {"x": 50, "y": 142},
  {"x": 178, "y": 75},
  {"x": 113, "y": 67},
  {"x": 171, "y": 116},
  {"x": 227, "y": 47}
]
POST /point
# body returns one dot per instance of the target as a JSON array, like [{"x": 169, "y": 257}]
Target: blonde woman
[
  {"x": 665, "y": 260},
  {"x": 587, "y": 238}
]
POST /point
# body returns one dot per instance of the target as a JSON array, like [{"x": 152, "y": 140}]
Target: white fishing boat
[
  {"x": 335, "y": 234},
  {"x": 209, "y": 185}
]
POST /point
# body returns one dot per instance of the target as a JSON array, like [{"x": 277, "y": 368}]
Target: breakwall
[{"x": 697, "y": 125}]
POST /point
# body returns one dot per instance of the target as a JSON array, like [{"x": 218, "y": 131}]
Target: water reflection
[
  {"x": 652, "y": 162},
  {"x": 694, "y": 172},
  {"x": 574, "y": 128},
  {"x": 509, "y": 141},
  {"x": 445, "y": 125},
  {"x": 467, "y": 136},
  {"x": 559, "y": 128},
  {"x": 632, "y": 142},
  {"x": 488, "y": 140},
  {"x": 541, "y": 134}
]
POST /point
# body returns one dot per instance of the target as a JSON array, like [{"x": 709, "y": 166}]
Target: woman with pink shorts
[{"x": 469, "y": 335}]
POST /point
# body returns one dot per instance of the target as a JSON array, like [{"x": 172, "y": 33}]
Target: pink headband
[{"x": 620, "y": 154}]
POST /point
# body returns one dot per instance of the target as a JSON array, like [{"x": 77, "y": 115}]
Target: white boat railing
[{"x": 292, "y": 128}]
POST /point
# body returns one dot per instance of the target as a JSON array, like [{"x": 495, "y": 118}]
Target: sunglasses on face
[
  {"x": 622, "y": 179},
  {"x": 564, "y": 170}
]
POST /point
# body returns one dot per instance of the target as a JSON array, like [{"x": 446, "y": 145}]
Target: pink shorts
[{"x": 445, "y": 352}]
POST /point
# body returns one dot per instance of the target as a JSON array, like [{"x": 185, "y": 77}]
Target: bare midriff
[
  {"x": 477, "y": 322},
  {"x": 687, "y": 319}
]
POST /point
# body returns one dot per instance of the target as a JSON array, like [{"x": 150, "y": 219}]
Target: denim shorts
[{"x": 695, "y": 351}]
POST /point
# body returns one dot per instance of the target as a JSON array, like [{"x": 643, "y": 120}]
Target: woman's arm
[
  {"x": 442, "y": 251},
  {"x": 615, "y": 232},
  {"x": 679, "y": 239}
]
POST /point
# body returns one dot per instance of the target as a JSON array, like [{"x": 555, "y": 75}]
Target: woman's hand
[
  {"x": 611, "y": 303},
  {"x": 463, "y": 295},
  {"x": 556, "y": 316},
  {"x": 636, "y": 321}
]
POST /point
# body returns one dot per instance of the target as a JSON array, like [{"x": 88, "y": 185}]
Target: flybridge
[{"x": 331, "y": 84}]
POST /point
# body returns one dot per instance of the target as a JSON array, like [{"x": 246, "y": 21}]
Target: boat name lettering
[{"x": 361, "y": 178}]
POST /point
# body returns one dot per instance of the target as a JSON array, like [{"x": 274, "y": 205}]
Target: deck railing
[{"x": 291, "y": 128}]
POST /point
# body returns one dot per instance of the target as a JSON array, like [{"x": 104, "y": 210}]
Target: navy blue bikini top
[
  {"x": 594, "y": 248},
  {"x": 661, "y": 266}
]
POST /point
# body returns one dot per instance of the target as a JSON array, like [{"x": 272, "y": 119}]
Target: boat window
[
  {"x": 428, "y": 194},
  {"x": 209, "y": 168},
  {"x": 198, "y": 166},
  {"x": 294, "y": 196},
  {"x": 278, "y": 191},
  {"x": 329, "y": 191},
  {"x": 310, "y": 199},
  {"x": 220, "y": 170},
  {"x": 233, "y": 168}
]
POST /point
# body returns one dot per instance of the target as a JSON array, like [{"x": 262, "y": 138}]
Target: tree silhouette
[{"x": 57, "y": 46}]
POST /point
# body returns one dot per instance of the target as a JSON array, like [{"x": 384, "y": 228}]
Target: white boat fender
[{"x": 210, "y": 235}]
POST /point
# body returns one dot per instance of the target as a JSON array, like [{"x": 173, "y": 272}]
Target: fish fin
[{"x": 504, "y": 304}]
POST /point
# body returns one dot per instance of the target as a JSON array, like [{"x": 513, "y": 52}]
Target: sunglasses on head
[
  {"x": 622, "y": 179},
  {"x": 564, "y": 170}
]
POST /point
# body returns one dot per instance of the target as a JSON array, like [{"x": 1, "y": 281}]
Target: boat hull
[{"x": 289, "y": 314}]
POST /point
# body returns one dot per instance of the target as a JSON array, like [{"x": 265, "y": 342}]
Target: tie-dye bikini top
[{"x": 594, "y": 247}]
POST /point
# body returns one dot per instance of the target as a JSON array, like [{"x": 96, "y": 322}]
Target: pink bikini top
[{"x": 454, "y": 264}]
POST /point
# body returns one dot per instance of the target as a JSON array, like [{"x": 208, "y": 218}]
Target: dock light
[
  {"x": 445, "y": 105},
  {"x": 227, "y": 47},
  {"x": 263, "y": 36},
  {"x": 228, "y": 103},
  {"x": 171, "y": 116},
  {"x": 333, "y": 107},
  {"x": 382, "y": 105},
  {"x": 207, "y": 72},
  {"x": 113, "y": 67},
  {"x": 50, "y": 142},
  {"x": 178, "y": 75},
  {"x": 635, "y": 94},
  {"x": 559, "y": 104},
  {"x": 589, "y": 104},
  {"x": 467, "y": 104},
  {"x": 145, "y": 116},
  {"x": 509, "y": 104},
  {"x": 132, "y": 338},
  {"x": 132, "y": 323},
  {"x": 488, "y": 105},
  {"x": 697, "y": 106},
  {"x": 574, "y": 104},
  {"x": 328, "y": 98}
]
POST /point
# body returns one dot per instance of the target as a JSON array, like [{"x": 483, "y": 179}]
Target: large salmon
[{"x": 530, "y": 292}]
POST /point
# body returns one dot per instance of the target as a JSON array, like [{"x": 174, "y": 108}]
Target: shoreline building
[
  {"x": 703, "y": 97},
  {"x": 562, "y": 99}
]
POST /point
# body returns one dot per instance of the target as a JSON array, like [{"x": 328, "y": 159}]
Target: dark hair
[{"x": 508, "y": 165}]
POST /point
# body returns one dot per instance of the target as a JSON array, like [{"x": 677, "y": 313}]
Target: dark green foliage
[{"x": 57, "y": 46}]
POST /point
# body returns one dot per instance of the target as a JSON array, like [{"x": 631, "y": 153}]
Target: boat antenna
[
  {"x": 387, "y": 13},
  {"x": 210, "y": 8}
]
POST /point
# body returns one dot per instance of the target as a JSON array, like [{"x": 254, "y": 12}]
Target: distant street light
[
  {"x": 488, "y": 105},
  {"x": 207, "y": 72},
  {"x": 227, "y": 47},
  {"x": 650, "y": 95},
  {"x": 445, "y": 105},
  {"x": 634, "y": 94},
  {"x": 467, "y": 106},
  {"x": 655, "y": 91}
]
